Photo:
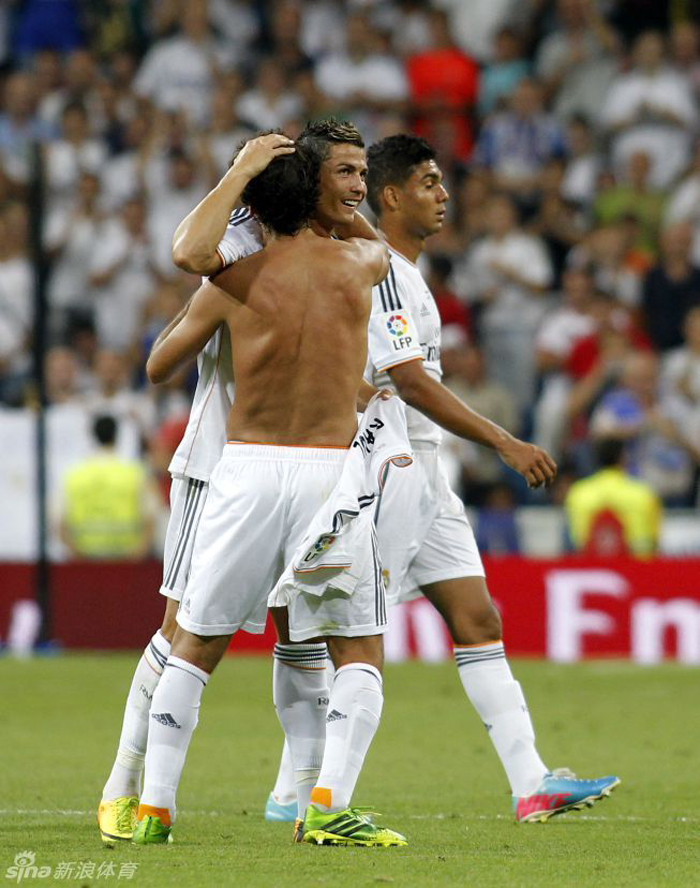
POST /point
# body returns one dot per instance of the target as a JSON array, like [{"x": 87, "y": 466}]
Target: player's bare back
[{"x": 298, "y": 313}]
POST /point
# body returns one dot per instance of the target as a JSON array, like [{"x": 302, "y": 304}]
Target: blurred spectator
[
  {"x": 680, "y": 380},
  {"x": 122, "y": 276},
  {"x": 443, "y": 83},
  {"x": 684, "y": 203},
  {"x": 20, "y": 126},
  {"x": 270, "y": 104},
  {"x": 650, "y": 110},
  {"x": 71, "y": 238},
  {"x": 573, "y": 321},
  {"x": 613, "y": 491},
  {"x": 671, "y": 288},
  {"x": 108, "y": 506},
  {"x": 177, "y": 73},
  {"x": 474, "y": 468},
  {"x": 516, "y": 144},
  {"x": 453, "y": 312},
  {"x": 476, "y": 24},
  {"x": 16, "y": 293},
  {"x": 577, "y": 62},
  {"x": 582, "y": 163},
  {"x": 685, "y": 53},
  {"x": 78, "y": 84},
  {"x": 507, "y": 274},
  {"x": 226, "y": 131},
  {"x": 121, "y": 175},
  {"x": 634, "y": 413},
  {"x": 133, "y": 411},
  {"x": 362, "y": 76},
  {"x": 61, "y": 373},
  {"x": 633, "y": 198},
  {"x": 500, "y": 77},
  {"x": 71, "y": 154},
  {"x": 52, "y": 24},
  {"x": 496, "y": 528},
  {"x": 557, "y": 222}
]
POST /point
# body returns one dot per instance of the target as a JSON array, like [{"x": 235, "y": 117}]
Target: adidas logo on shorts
[{"x": 334, "y": 716}]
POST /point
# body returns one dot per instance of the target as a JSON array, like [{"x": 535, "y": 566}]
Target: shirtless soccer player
[
  {"x": 296, "y": 391},
  {"x": 440, "y": 558},
  {"x": 236, "y": 235}
]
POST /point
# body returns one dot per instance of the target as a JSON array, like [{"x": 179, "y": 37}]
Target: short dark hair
[
  {"x": 609, "y": 452},
  {"x": 283, "y": 197},
  {"x": 391, "y": 162},
  {"x": 330, "y": 131},
  {"x": 105, "y": 430}
]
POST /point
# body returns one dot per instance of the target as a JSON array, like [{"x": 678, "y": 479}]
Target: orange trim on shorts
[
  {"x": 296, "y": 446},
  {"x": 150, "y": 811},
  {"x": 480, "y": 645},
  {"x": 321, "y": 796}
]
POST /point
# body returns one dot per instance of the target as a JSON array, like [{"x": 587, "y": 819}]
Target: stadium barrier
[{"x": 565, "y": 609}]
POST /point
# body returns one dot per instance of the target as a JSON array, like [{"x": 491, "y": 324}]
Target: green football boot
[
  {"x": 151, "y": 831},
  {"x": 353, "y": 826}
]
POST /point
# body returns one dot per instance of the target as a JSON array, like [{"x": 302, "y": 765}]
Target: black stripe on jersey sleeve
[
  {"x": 391, "y": 286},
  {"x": 383, "y": 297},
  {"x": 241, "y": 219}
]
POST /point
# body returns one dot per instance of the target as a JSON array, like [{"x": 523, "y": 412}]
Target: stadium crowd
[{"x": 567, "y": 274}]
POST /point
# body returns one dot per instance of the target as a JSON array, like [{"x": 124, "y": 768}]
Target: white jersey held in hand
[
  {"x": 341, "y": 538},
  {"x": 404, "y": 326},
  {"x": 201, "y": 445}
]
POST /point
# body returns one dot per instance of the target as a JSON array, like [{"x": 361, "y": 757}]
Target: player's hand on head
[
  {"x": 385, "y": 394},
  {"x": 258, "y": 153},
  {"x": 535, "y": 465}
]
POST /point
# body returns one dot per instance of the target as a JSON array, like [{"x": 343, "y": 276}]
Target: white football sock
[
  {"x": 125, "y": 777},
  {"x": 285, "y": 790},
  {"x": 300, "y": 694},
  {"x": 499, "y": 700},
  {"x": 174, "y": 716},
  {"x": 354, "y": 710}
]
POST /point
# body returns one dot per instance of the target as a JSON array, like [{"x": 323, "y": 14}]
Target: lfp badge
[{"x": 397, "y": 325}]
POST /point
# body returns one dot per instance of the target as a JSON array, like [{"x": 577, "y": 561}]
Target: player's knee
[{"x": 477, "y": 626}]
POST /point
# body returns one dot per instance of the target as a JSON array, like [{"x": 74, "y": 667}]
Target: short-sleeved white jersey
[
  {"x": 404, "y": 326},
  {"x": 205, "y": 435}
]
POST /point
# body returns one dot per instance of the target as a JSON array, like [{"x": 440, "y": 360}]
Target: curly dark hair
[
  {"x": 283, "y": 197},
  {"x": 391, "y": 162},
  {"x": 329, "y": 131}
]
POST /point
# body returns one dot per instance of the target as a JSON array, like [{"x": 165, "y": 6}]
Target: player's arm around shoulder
[{"x": 188, "y": 332}]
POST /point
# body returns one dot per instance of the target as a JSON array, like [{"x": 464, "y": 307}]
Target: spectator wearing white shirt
[
  {"x": 226, "y": 131},
  {"x": 651, "y": 110},
  {"x": 573, "y": 321},
  {"x": 71, "y": 238},
  {"x": 582, "y": 163},
  {"x": 16, "y": 283},
  {"x": 684, "y": 203},
  {"x": 177, "y": 74},
  {"x": 507, "y": 273},
  {"x": 684, "y": 42},
  {"x": 577, "y": 61},
  {"x": 363, "y": 77},
  {"x": 122, "y": 276},
  {"x": 269, "y": 104},
  {"x": 680, "y": 381},
  {"x": 20, "y": 126},
  {"x": 70, "y": 155},
  {"x": 121, "y": 174}
]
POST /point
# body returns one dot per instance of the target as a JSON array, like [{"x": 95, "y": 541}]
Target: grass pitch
[{"x": 431, "y": 770}]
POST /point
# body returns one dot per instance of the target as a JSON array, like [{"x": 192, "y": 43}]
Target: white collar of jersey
[{"x": 401, "y": 256}]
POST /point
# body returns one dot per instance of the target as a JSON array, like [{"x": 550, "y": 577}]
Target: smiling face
[
  {"x": 422, "y": 200},
  {"x": 343, "y": 186}
]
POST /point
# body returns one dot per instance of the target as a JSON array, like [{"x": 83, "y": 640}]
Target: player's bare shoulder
[{"x": 370, "y": 257}]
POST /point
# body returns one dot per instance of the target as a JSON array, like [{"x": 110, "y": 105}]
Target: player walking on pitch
[
  {"x": 425, "y": 539},
  {"x": 296, "y": 391}
]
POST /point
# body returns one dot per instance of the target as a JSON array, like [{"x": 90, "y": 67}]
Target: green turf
[{"x": 431, "y": 771}]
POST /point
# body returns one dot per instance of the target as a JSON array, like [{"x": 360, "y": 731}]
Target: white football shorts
[
  {"x": 187, "y": 498},
  {"x": 424, "y": 534},
  {"x": 260, "y": 504}
]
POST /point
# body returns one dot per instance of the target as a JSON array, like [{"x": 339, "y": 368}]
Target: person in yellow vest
[
  {"x": 612, "y": 490},
  {"x": 108, "y": 503}
]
